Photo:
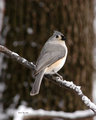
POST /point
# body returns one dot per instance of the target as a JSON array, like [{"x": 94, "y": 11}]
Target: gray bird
[{"x": 51, "y": 59}]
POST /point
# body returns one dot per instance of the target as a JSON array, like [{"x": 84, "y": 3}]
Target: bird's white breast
[{"x": 55, "y": 67}]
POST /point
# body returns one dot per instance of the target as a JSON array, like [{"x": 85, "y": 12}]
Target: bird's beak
[{"x": 63, "y": 38}]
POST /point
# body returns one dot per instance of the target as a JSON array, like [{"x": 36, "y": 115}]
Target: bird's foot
[{"x": 59, "y": 76}]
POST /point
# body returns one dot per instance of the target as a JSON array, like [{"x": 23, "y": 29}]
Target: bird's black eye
[{"x": 57, "y": 36}]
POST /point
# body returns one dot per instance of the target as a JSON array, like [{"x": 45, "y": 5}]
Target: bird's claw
[{"x": 59, "y": 77}]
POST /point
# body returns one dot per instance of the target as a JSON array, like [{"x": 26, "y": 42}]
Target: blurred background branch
[
  {"x": 2, "y": 9},
  {"x": 29, "y": 113}
]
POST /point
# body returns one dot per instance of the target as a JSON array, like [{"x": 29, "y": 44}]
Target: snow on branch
[
  {"x": 78, "y": 91},
  {"x": 57, "y": 80},
  {"x": 24, "y": 113},
  {"x": 17, "y": 58}
]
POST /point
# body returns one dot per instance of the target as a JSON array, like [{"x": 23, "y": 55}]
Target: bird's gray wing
[{"x": 49, "y": 55}]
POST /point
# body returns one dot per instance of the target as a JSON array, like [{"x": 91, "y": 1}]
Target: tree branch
[
  {"x": 17, "y": 58},
  {"x": 57, "y": 80},
  {"x": 54, "y": 114},
  {"x": 24, "y": 113}
]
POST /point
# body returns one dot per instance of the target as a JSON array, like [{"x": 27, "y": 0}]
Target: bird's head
[{"x": 59, "y": 36}]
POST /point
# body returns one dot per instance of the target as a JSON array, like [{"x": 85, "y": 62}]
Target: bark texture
[{"x": 31, "y": 23}]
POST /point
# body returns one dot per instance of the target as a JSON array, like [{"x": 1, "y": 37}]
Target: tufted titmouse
[{"x": 51, "y": 59}]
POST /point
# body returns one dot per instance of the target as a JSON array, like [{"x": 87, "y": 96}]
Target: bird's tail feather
[{"x": 37, "y": 83}]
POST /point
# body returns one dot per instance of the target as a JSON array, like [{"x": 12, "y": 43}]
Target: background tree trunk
[{"x": 31, "y": 23}]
